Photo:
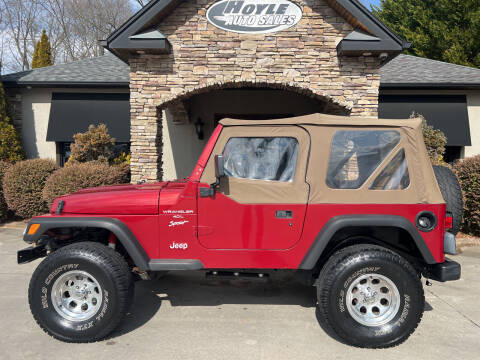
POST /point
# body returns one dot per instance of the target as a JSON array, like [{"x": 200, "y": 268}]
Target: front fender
[{"x": 117, "y": 227}]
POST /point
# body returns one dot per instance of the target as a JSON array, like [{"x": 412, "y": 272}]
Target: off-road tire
[
  {"x": 106, "y": 266},
  {"x": 452, "y": 194},
  {"x": 336, "y": 279}
]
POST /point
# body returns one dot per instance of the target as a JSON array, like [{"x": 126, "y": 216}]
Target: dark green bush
[
  {"x": 468, "y": 173},
  {"x": 11, "y": 149},
  {"x": 81, "y": 176},
  {"x": 3, "y": 204},
  {"x": 23, "y": 184}
]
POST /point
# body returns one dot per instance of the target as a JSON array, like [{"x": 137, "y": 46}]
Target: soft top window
[
  {"x": 395, "y": 176},
  {"x": 261, "y": 158},
  {"x": 355, "y": 155}
]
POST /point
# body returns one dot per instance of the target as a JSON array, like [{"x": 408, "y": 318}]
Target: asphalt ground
[{"x": 185, "y": 316}]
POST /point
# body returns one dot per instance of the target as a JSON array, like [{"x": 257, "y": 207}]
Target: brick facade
[{"x": 303, "y": 58}]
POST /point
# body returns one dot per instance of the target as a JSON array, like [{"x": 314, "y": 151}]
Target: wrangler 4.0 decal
[{"x": 254, "y": 16}]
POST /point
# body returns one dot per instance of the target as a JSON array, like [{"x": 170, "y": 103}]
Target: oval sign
[{"x": 254, "y": 16}]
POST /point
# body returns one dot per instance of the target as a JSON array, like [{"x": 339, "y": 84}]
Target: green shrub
[
  {"x": 23, "y": 184},
  {"x": 10, "y": 145},
  {"x": 122, "y": 158},
  {"x": 81, "y": 176},
  {"x": 11, "y": 149},
  {"x": 94, "y": 144},
  {"x": 468, "y": 173},
  {"x": 3, "y": 204}
]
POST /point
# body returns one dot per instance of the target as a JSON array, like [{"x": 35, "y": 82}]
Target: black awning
[
  {"x": 73, "y": 113},
  {"x": 448, "y": 113}
]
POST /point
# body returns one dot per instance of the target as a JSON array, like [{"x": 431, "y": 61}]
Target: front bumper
[
  {"x": 447, "y": 271},
  {"x": 30, "y": 254}
]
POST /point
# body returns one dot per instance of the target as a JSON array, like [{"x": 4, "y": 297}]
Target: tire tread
[
  {"x": 343, "y": 259},
  {"x": 118, "y": 270}
]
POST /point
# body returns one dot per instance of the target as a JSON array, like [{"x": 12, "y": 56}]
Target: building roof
[
  {"x": 406, "y": 71},
  {"x": 102, "y": 71},
  {"x": 108, "y": 71}
]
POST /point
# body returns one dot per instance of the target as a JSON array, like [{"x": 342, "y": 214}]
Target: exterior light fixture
[{"x": 199, "y": 125}]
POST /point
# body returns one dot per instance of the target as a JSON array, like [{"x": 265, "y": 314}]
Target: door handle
[{"x": 284, "y": 214}]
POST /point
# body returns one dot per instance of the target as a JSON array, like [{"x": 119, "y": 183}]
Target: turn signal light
[{"x": 33, "y": 229}]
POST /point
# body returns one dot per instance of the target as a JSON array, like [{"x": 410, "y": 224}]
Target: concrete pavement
[{"x": 184, "y": 316}]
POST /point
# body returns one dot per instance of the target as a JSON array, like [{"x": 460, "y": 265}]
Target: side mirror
[
  {"x": 219, "y": 173},
  {"x": 219, "y": 167}
]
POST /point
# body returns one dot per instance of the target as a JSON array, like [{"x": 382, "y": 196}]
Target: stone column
[{"x": 146, "y": 142}]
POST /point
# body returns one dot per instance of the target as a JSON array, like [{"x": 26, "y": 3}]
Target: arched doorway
[{"x": 183, "y": 117}]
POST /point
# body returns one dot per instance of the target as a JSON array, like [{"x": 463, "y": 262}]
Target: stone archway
[{"x": 168, "y": 147}]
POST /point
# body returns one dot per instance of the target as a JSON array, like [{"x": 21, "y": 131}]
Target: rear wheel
[
  {"x": 80, "y": 292},
  {"x": 370, "y": 297}
]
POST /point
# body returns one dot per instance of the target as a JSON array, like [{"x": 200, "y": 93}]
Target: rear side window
[
  {"x": 355, "y": 155},
  {"x": 261, "y": 158},
  {"x": 395, "y": 176}
]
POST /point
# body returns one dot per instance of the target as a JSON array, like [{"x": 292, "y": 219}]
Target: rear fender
[{"x": 341, "y": 222}]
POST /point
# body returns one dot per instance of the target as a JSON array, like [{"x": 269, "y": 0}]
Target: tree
[
  {"x": 42, "y": 54},
  {"x": 444, "y": 30},
  {"x": 72, "y": 26},
  {"x": 19, "y": 23},
  {"x": 11, "y": 149}
]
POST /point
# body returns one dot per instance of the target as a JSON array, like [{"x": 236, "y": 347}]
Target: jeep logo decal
[{"x": 254, "y": 16}]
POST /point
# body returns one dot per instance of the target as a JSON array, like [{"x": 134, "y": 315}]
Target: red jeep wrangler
[{"x": 350, "y": 204}]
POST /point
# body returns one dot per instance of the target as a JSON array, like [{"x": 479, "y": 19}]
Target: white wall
[
  {"x": 473, "y": 102},
  {"x": 36, "y": 105}
]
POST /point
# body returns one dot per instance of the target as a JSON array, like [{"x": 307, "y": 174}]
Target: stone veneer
[{"x": 303, "y": 58}]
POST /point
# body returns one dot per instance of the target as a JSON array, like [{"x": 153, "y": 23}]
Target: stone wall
[{"x": 303, "y": 57}]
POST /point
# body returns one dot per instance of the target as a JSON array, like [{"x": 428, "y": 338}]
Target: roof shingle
[
  {"x": 108, "y": 70},
  {"x": 413, "y": 70},
  {"x": 103, "y": 70}
]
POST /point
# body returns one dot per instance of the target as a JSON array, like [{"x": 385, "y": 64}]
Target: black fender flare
[
  {"x": 117, "y": 227},
  {"x": 340, "y": 222}
]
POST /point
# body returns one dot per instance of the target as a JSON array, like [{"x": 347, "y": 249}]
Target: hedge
[
  {"x": 23, "y": 184},
  {"x": 468, "y": 173},
  {"x": 3, "y": 205},
  {"x": 79, "y": 176}
]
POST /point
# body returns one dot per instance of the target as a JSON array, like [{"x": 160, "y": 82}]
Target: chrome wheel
[
  {"x": 373, "y": 300},
  {"x": 76, "y": 296}
]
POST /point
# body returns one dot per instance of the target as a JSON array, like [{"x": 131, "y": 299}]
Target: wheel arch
[
  {"x": 123, "y": 233},
  {"x": 341, "y": 231}
]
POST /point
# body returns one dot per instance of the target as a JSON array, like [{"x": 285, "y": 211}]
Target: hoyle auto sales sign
[{"x": 254, "y": 16}]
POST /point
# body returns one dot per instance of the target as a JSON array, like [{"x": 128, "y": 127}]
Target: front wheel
[
  {"x": 80, "y": 292},
  {"x": 370, "y": 296}
]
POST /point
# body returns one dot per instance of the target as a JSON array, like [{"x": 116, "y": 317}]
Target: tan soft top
[
  {"x": 333, "y": 120},
  {"x": 309, "y": 184}
]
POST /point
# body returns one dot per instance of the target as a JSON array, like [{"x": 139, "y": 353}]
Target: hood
[{"x": 113, "y": 200}]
